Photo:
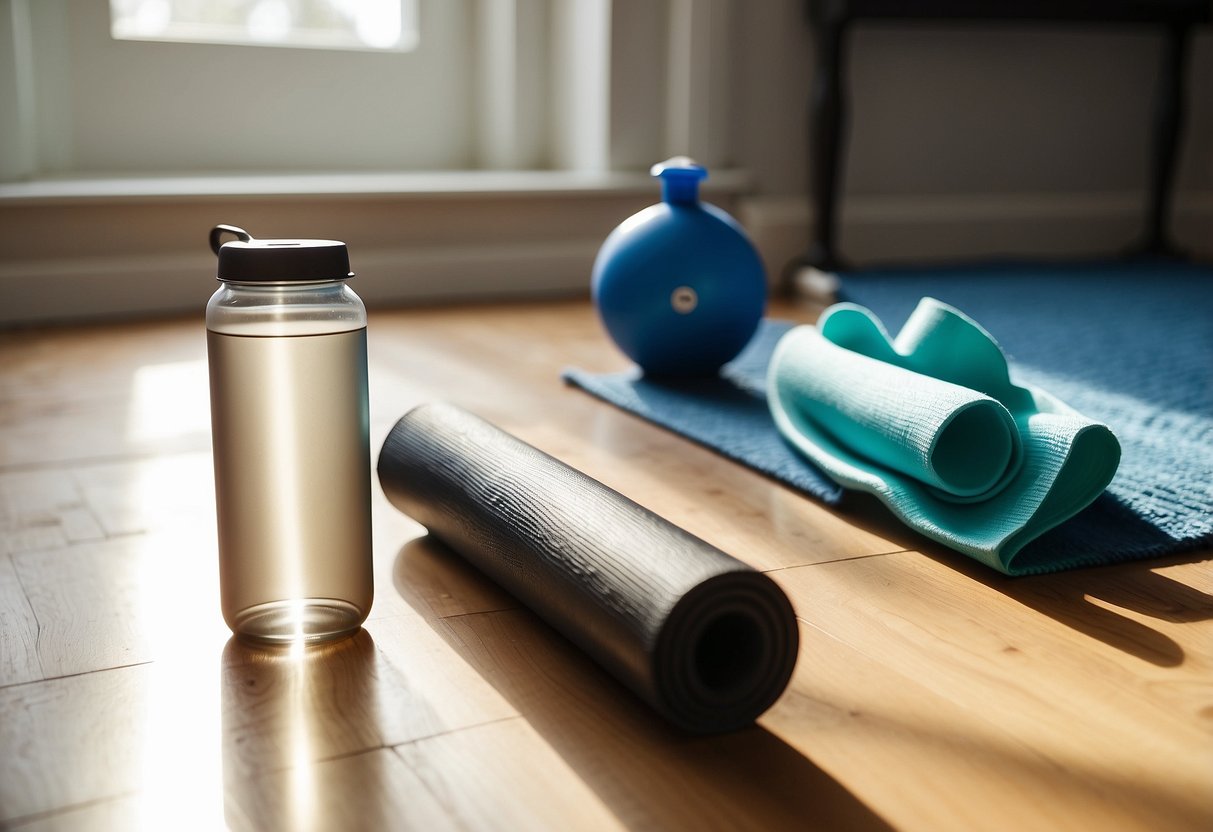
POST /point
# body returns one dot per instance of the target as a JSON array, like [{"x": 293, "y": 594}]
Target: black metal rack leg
[{"x": 1169, "y": 116}]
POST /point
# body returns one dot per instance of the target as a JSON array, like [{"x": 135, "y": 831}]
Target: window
[
  {"x": 326, "y": 24},
  {"x": 92, "y": 104},
  {"x": 161, "y": 86}
]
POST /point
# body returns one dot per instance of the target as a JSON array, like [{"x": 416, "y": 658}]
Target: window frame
[{"x": 555, "y": 166}]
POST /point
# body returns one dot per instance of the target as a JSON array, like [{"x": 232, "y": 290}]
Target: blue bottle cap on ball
[{"x": 680, "y": 177}]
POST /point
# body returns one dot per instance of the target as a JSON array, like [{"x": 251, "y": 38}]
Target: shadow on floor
[
  {"x": 1067, "y": 597},
  {"x": 649, "y": 774}
]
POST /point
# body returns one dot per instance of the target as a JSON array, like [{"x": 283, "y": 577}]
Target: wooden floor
[{"x": 930, "y": 694}]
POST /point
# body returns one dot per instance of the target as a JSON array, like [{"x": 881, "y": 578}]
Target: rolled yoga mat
[
  {"x": 706, "y": 640},
  {"x": 931, "y": 424}
]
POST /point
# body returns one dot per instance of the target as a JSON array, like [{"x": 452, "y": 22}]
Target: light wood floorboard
[{"x": 930, "y": 693}]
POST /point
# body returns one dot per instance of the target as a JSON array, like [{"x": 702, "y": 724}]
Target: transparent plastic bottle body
[{"x": 289, "y": 426}]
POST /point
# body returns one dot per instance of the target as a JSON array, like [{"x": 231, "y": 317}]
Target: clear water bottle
[{"x": 286, "y": 342}]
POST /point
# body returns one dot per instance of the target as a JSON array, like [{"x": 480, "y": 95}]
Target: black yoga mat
[{"x": 706, "y": 640}]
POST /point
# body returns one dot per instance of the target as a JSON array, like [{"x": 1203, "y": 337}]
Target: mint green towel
[{"x": 932, "y": 425}]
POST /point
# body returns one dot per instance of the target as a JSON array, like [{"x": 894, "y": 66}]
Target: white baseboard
[
  {"x": 123, "y": 257},
  {"x": 78, "y": 249},
  {"x": 143, "y": 284},
  {"x": 939, "y": 228}
]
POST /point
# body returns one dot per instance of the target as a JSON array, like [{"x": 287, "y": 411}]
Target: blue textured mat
[{"x": 1130, "y": 344}]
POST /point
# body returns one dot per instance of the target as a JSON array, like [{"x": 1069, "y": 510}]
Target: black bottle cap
[{"x": 247, "y": 260}]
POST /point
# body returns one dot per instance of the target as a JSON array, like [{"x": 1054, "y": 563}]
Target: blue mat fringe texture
[{"x": 1129, "y": 344}]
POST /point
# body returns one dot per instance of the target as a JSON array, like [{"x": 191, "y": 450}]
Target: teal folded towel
[{"x": 933, "y": 426}]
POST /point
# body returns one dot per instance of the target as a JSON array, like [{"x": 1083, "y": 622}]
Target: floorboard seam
[
  {"x": 20, "y": 820},
  {"x": 37, "y": 622},
  {"x": 88, "y": 461},
  {"x": 833, "y": 560},
  {"x": 449, "y": 731},
  {"x": 455, "y": 615},
  {"x": 74, "y": 675}
]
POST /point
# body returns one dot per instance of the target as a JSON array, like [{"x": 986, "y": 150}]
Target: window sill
[{"x": 403, "y": 185}]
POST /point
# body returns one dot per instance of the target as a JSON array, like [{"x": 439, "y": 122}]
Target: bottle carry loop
[{"x": 219, "y": 230}]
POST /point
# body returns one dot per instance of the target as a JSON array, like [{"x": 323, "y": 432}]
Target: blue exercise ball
[{"x": 679, "y": 286}]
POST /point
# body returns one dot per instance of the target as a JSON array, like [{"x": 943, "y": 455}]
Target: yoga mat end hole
[
  {"x": 973, "y": 451},
  {"x": 727, "y": 654}
]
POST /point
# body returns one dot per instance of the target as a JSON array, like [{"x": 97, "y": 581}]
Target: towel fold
[{"x": 933, "y": 426}]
